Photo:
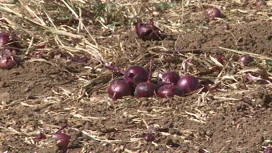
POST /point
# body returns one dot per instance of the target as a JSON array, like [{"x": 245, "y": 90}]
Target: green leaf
[
  {"x": 269, "y": 63},
  {"x": 15, "y": 1},
  {"x": 126, "y": 101}
]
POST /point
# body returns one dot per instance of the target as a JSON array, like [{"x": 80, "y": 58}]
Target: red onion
[
  {"x": 63, "y": 140},
  {"x": 148, "y": 31},
  {"x": 4, "y": 38},
  {"x": 136, "y": 74},
  {"x": 246, "y": 59},
  {"x": 133, "y": 75},
  {"x": 214, "y": 13},
  {"x": 7, "y": 61},
  {"x": 149, "y": 137},
  {"x": 169, "y": 90},
  {"x": 226, "y": 26},
  {"x": 170, "y": 77},
  {"x": 188, "y": 83},
  {"x": 118, "y": 89},
  {"x": 145, "y": 89},
  {"x": 219, "y": 58}
]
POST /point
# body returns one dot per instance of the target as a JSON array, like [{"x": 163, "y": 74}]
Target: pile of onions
[
  {"x": 137, "y": 82},
  {"x": 133, "y": 76}
]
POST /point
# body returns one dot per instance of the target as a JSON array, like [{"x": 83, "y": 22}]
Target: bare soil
[{"x": 42, "y": 95}]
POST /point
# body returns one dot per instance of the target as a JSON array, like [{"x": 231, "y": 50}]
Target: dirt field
[{"x": 43, "y": 94}]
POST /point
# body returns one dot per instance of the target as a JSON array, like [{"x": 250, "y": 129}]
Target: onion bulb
[{"x": 148, "y": 31}]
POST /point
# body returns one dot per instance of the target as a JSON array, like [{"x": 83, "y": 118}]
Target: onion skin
[{"x": 148, "y": 31}]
